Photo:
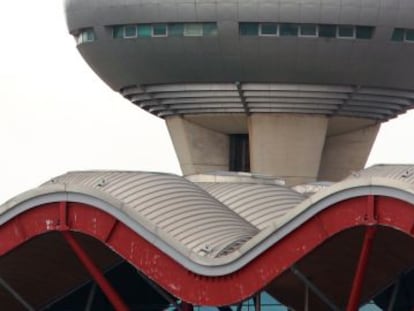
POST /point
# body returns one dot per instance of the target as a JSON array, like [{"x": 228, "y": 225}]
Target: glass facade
[
  {"x": 164, "y": 30},
  {"x": 289, "y": 30},
  {"x": 130, "y": 31},
  {"x": 346, "y": 32},
  {"x": 268, "y": 29},
  {"x": 306, "y": 30},
  {"x": 144, "y": 31},
  {"x": 364, "y": 32},
  {"x": 249, "y": 29},
  {"x": 402, "y": 35},
  {"x": 327, "y": 31},
  {"x": 86, "y": 35},
  {"x": 193, "y": 30}
]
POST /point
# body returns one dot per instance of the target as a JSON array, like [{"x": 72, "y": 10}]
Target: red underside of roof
[{"x": 198, "y": 289}]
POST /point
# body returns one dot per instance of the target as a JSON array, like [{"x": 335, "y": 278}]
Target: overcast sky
[{"x": 56, "y": 115}]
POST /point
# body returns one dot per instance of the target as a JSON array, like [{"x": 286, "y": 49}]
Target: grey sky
[{"x": 56, "y": 115}]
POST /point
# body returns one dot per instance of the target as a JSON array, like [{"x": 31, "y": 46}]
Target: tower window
[
  {"x": 346, "y": 32},
  {"x": 130, "y": 31},
  {"x": 327, "y": 31},
  {"x": 268, "y": 29},
  {"x": 308, "y": 30},
  {"x": 249, "y": 29},
  {"x": 193, "y": 30},
  {"x": 364, "y": 32},
  {"x": 289, "y": 30},
  {"x": 159, "y": 30}
]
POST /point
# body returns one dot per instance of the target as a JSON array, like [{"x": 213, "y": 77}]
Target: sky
[{"x": 56, "y": 115}]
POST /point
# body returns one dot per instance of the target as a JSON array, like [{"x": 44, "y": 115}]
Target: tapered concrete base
[
  {"x": 199, "y": 150},
  {"x": 347, "y": 151},
  {"x": 287, "y": 145}
]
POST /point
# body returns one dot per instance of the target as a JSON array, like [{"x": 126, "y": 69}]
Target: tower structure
[{"x": 293, "y": 89}]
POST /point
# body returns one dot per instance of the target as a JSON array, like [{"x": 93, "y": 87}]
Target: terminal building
[{"x": 272, "y": 107}]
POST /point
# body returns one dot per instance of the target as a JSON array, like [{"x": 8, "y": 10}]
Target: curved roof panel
[
  {"x": 210, "y": 228},
  {"x": 168, "y": 205},
  {"x": 260, "y": 205}
]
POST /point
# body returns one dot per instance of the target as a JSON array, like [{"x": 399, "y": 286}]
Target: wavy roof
[{"x": 212, "y": 228}]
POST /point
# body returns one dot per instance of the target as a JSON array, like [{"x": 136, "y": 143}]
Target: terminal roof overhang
[{"x": 179, "y": 232}]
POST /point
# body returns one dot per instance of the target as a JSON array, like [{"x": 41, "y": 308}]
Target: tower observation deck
[{"x": 293, "y": 89}]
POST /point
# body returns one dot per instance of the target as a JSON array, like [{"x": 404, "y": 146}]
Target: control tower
[{"x": 291, "y": 89}]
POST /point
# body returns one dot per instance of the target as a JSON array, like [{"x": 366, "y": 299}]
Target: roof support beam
[
  {"x": 356, "y": 291},
  {"x": 16, "y": 295},
  {"x": 94, "y": 271},
  {"x": 314, "y": 289}
]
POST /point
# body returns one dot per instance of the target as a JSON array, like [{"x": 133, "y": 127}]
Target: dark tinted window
[
  {"x": 409, "y": 35},
  {"x": 364, "y": 32},
  {"x": 176, "y": 30},
  {"x": 308, "y": 30},
  {"x": 249, "y": 29},
  {"x": 289, "y": 30},
  {"x": 159, "y": 29},
  {"x": 327, "y": 31},
  {"x": 209, "y": 29},
  {"x": 346, "y": 31},
  {"x": 118, "y": 31},
  {"x": 269, "y": 29}
]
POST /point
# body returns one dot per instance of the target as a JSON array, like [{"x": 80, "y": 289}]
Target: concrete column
[
  {"x": 346, "y": 152},
  {"x": 287, "y": 145},
  {"x": 199, "y": 150}
]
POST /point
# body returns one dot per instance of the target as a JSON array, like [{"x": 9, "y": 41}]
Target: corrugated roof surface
[
  {"x": 212, "y": 221},
  {"x": 171, "y": 204},
  {"x": 259, "y": 204},
  {"x": 400, "y": 172}
]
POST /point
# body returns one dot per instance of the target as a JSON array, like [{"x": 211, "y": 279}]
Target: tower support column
[
  {"x": 199, "y": 149},
  {"x": 287, "y": 145}
]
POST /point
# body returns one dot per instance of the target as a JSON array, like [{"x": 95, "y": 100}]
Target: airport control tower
[{"x": 293, "y": 89}]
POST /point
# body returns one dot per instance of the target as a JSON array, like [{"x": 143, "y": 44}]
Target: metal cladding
[
  {"x": 229, "y": 72},
  {"x": 212, "y": 228},
  {"x": 169, "y": 206},
  {"x": 367, "y": 102},
  {"x": 260, "y": 205}
]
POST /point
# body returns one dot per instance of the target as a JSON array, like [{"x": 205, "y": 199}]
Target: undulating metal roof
[{"x": 208, "y": 225}]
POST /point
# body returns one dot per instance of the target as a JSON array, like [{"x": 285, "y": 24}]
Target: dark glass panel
[
  {"x": 176, "y": 30},
  {"x": 289, "y": 30},
  {"x": 308, "y": 30},
  {"x": 209, "y": 29},
  {"x": 144, "y": 30},
  {"x": 364, "y": 32},
  {"x": 346, "y": 31},
  {"x": 249, "y": 29},
  {"x": 159, "y": 30},
  {"x": 268, "y": 29},
  {"x": 327, "y": 31},
  {"x": 118, "y": 32}
]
